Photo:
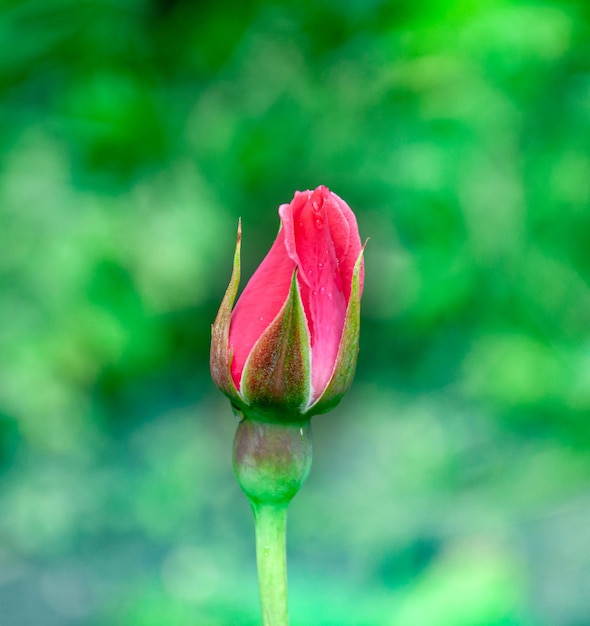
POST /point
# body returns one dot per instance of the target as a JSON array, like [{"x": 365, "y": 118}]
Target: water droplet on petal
[
  {"x": 262, "y": 319},
  {"x": 320, "y": 265},
  {"x": 330, "y": 295},
  {"x": 319, "y": 223},
  {"x": 310, "y": 272},
  {"x": 322, "y": 290},
  {"x": 314, "y": 293},
  {"x": 316, "y": 204}
]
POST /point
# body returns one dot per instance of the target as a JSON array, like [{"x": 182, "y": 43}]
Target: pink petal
[
  {"x": 347, "y": 241},
  {"x": 259, "y": 304},
  {"x": 320, "y": 233},
  {"x": 319, "y": 237}
]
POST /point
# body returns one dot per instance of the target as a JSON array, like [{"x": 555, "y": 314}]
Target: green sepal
[
  {"x": 345, "y": 365},
  {"x": 276, "y": 380},
  {"x": 221, "y": 357}
]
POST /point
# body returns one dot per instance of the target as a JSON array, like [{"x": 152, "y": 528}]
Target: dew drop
[
  {"x": 310, "y": 272},
  {"x": 320, "y": 265},
  {"x": 322, "y": 290},
  {"x": 262, "y": 319},
  {"x": 329, "y": 295},
  {"x": 319, "y": 223},
  {"x": 314, "y": 293}
]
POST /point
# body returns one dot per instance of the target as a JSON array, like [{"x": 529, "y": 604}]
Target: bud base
[{"x": 272, "y": 460}]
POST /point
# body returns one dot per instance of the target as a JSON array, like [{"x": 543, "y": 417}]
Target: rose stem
[
  {"x": 271, "y": 558},
  {"x": 271, "y": 462}
]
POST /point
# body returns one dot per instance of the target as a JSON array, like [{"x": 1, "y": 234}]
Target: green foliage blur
[{"x": 452, "y": 485}]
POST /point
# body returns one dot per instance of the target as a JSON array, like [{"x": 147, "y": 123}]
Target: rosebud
[{"x": 288, "y": 349}]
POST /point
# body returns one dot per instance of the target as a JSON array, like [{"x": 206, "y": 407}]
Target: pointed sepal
[
  {"x": 345, "y": 365},
  {"x": 276, "y": 380},
  {"x": 220, "y": 353}
]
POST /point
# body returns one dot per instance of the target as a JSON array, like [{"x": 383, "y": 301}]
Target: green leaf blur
[{"x": 450, "y": 487}]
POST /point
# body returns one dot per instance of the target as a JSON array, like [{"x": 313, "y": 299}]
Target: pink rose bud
[{"x": 288, "y": 349}]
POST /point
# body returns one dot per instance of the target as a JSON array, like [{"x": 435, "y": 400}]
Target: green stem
[
  {"x": 271, "y": 558},
  {"x": 271, "y": 462}
]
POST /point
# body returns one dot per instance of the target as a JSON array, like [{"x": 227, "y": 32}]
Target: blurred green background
[{"x": 452, "y": 485}]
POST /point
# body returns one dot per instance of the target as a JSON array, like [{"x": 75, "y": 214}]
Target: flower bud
[{"x": 288, "y": 349}]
